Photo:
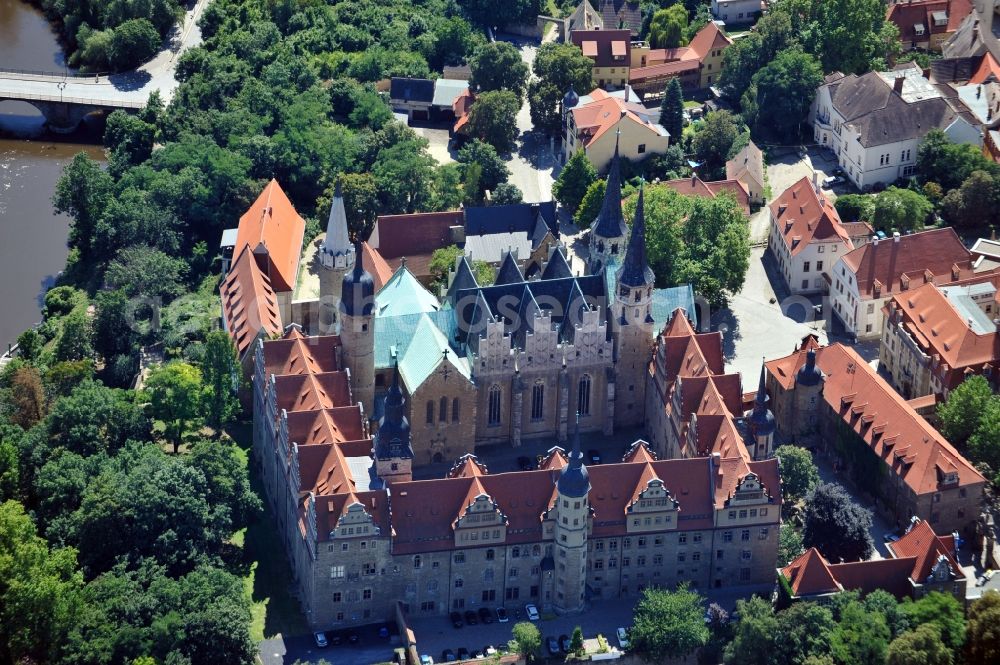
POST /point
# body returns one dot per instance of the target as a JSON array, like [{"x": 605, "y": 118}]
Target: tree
[
  {"x": 773, "y": 33},
  {"x": 883, "y": 603},
  {"x": 132, "y": 43},
  {"x": 835, "y": 525},
  {"x": 900, "y": 210},
  {"x": 672, "y": 110},
  {"x": 716, "y": 247},
  {"x": 590, "y": 206},
  {"x": 780, "y": 94},
  {"x": 576, "y": 641},
  {"x": 751, "y": 644},
  {"x": 498, "y": 66},
  {"x": 984, "y": 444},
  {"x": 75, "y": 340},
  {"x": 669, "y": 623},
  {"x": 222, "y": 374},
  {"x": 493, "y": 119},
  {"x": 713, "y": 142},
  {"x": 444, "y": 260},
  {"x": 667, "y": 27},
  {"x": 922, "y": 646},
  {"x": 574, "y": 180},
  {"x": 227, "y": 484},
  {"x": 129, "y": 138},
  {"x": 982, "y": 633},
  {"x": 942, "y": 610},
  {"x": 959, "y": 415},
  {"x": 491, "y": 14},
  {"x": 974, "y": 203},
  {"x": 855, "y": 207},
  {"x": 860, "y": 638},
  {"x": 506, "y": 194},
  {"x": 39, "y": 590},
  {"x": 115, "y": 327},
  {"x": 27, "y": 397},
  {"x": 142, "y": 271},
  {"x": 29, "y": 344},
  {"x": 493, "y": 170},
  {"x": 175, "y": 391},
  {"x": 804, "y": 630},
  {"x": 82, "y": 192},
  {"x": 949, "y": 164},
  {"x": 557, "y": 68},
  {"x": 527, "y": 638},
  {"x": 799, "y": 474},
  {"x": 854, "y": 36},
  {"x": 789, "y": 544}
]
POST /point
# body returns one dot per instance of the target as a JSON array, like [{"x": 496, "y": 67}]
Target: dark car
[
  {"x": 476, "y": 653},
  {"x": 593, "y": 456},
  {"x": 320, "y": 640},
  {"x": 336, "y": 639},
  {"x": 502, "y": 615},
  {"x": 353, "y": 637},
  {"x": 462, "y": 653},
  {"x": 448, "y": 656},
  {"x": 525, "y": 463},
  {"x": 485, "y": 615},
  {"x": 470, "y": 618},
  {"x": 553, "y": 645},
  {"x": 456, "y": 619},
  {"x": 564, "y": 643}
]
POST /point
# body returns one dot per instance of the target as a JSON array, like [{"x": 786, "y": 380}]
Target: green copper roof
[
  {"x": 428, "y": 349},
  {"x": 403, "y": 295},
  {"x": 397, "y": 332},
  {"x": 665, "y": 301}
]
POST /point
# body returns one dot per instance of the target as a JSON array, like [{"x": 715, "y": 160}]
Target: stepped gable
[
  {"x": 639, "y": 452},
  {"x": 330, "y": 508},
  {"x": 467, "y": 466}
]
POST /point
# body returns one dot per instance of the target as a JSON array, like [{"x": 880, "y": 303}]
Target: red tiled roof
[
  {"x": 467, "y": 466},
  {"x": 988, "y": 69},
  {"x": 802, "y": 215},
  {"x": 320, "y": 426},
  {"x": 594, "y": 119},
  {"x": 608, "y": 48},
  {"x": 249, "y": 304},
  {"x": 639, "y": 452},
  {"x": 926, "y": 547},
  {"x": 695, "y": 186},
  {"x": 810, "y": 575},
  {"x": 887, "y": 261},
  {"x": 295, "y": 353},
  {"x": 414, "y": 237},
  {"x": 707, "y": 39},
  {"x": 906, "y": 443},
  {"x": 376, "y": 265},
  {"x": 308, "y": 392},
  {"x": 274, "y": 232},
  {"x": 856, "y": 229},
  {"x": 908, "y": 14}
]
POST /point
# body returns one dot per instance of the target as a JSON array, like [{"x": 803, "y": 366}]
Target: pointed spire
[
  {"x": 393, "y": 436},
  {"x": 357, "y": 288},
  {"x": 574, "y": 481},
  {"x": 509, "y": 273},
  {"x": 610, "y": 223},
  {"x": 337, "y": 238},
  {"x": 762, "y": 398},
  {"x": 635, "y": 270}
]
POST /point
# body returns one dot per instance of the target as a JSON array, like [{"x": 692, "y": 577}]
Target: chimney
[
  {"x": 897, "y": 85},
  {"x": 895, "y": 236},
  {"x": 816, "y": 181}
]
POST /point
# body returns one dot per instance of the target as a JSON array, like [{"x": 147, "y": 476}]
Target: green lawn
[{"x": 690, "y": 104}]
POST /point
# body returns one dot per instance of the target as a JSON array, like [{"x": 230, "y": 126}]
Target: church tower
[
  {"x": 808, "y": 394},
  {"x": 357, "y": 332},
  {"x": 571, "y": 532},
  {"x": 393, "y": 451},
  {"x": 632, "y": 307},
  {"x": 761, "y": 422},
  {"x": 336, "y": 257},
  {"x": 607, "y": 233}
]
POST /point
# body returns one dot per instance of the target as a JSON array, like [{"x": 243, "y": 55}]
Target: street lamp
[{"x": 62, "y": 86}]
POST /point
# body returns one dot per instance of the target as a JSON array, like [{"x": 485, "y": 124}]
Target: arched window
[
  {"x": 583, "y": 396},
  {"x": 443, "y": 411},
  {"x": 456, "y": 410},
  {"x": 416, "y": 561},
  {"x": 430, "y": 412},
  {"x": 538, "y": 401},
  {"x": 493, "y": 412}
]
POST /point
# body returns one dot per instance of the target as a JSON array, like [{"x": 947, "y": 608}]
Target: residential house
[
  {"x": 874, "y": 123},
  {"x": 424, "y": 99},
  {"x": 696, "y": 65},
  {"x": 601, "y": 122},
  {"x": 748, "y": 167},
  {"x": 859, "y": 232},
  {"x": 737, "y": 12},
  {"x": 936, "y": 336},
  {"x": 865, "y": 278},
  {"x": 920, "y": 562},
  {"x": 806, "y": 236},
  {"x": 927, "y": 24},
  {"x": 830, "y": 398},
  {"x": 695, "y": 186},
  {"x": 975, "y": 36},
  {"x": 610, "y": 50},
  {"x": 414, "y": 238}
]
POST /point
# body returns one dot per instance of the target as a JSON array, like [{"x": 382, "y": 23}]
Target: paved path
[{"x": 126, "y": 90}]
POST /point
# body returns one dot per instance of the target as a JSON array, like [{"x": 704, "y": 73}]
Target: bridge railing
[
  {"x": 67, "y": 74},
  {"x": 112, "y": 102}
]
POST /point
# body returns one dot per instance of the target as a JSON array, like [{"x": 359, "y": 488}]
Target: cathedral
[{"x": 360, "y": 386}]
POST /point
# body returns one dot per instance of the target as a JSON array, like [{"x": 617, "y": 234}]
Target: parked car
[
  {"x": 426, "y": 660},
  {"x": 320, "y": 640},
  {"x": 335, "y": 639},
  {"x": 552, "y": 644},
  {"x": 489, "y": 650},
  {"x": 448, "y": 656},
  {"x": 502, "y": 615},
  {"x": 456, "y": 619},
  {"x": 462, "y": 653},
  {"x": 622, "y": 638},
  {"x": 485, "y": 615},
  {"x": 476, "y": 653},
  {"x": 890, "y": 537},
  {"x": 531, "y": 611},
  {"x": 564, "y": 643},
  {"x": 470, "y": 618},
  {"x": 593, "y": 456}
]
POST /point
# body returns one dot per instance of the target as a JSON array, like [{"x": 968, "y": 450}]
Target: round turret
[
  {"x": 570, "y": 99},
  {"x": 357, "y": 291},
  {"x": 574, "y": 481},
  {"x": 809, "y": 374}
]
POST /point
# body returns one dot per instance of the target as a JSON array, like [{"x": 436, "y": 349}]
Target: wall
[{"x": 449, "y": 438}]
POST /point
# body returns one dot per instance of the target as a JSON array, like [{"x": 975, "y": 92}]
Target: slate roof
[
  {"x": 402, "y": 295},
  {"x": 610, "y": 222},
  {"x": 483, "y": 220},
  {"x": 509, "y": 273},
  {"x": 411, "y": 90},
  {"x": 624, "y": 13},
  {"x": 635, "y": 270}
]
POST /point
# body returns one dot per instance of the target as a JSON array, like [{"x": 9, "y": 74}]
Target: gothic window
[
  {"x": 455, "y": 410},
  {"x": 493, "y": 411},
  {"x": 538, "y": 401},
  {"x": 443, "y": 413},
  {"x": 430, "y": 412},
  {"x": 583, "y": 396}
]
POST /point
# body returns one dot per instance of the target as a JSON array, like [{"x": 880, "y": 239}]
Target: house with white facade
[
  {"x": 806, "y": 236},
  {"x": 736, "y": 12},
  {"x": 874, "y": 123}
]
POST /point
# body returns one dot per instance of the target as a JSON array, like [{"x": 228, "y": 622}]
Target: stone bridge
[{"x": 65, "y": 100}]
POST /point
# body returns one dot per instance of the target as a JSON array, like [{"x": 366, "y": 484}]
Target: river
[{"x": 32, "y": 237}]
